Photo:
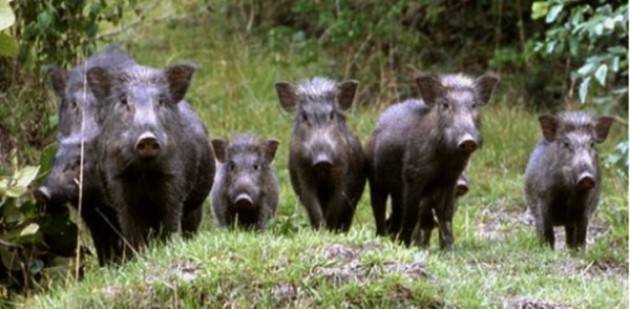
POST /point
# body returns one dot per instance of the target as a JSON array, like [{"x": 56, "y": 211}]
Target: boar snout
[
  {"x": 148, "y": 146},
  {"x": 42, "y": 195},
  {"x": 322, "y": 161},
  {"x": 244, "y": 201},
  {"x": 586, "y": 181},
  {"x": 467, "y": 144}
]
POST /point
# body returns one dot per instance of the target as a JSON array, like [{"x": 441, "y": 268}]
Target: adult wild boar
[
  {"x": 80, "y": 120},
  {"x": 419, "y": 150},
  {"x": 154, "y": 154}
]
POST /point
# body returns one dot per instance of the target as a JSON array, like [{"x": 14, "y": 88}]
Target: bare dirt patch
[
  {"x": 346, "y": 265},
  {"x": 497, "y": 224},
  {"x": 183, "y": 271},
  {"x": 531, "y": 303},
  {"x": 285, "y": 293},
  {"x": 597, "y": 269}
]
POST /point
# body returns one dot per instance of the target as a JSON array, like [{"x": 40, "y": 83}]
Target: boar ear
[
  {"x": 287, "y": 93},
  {"x": 549, "y": 125},
  {"x": 178, "y": 77},
  {"x": 602, "y": 126},
  {"x": 219, "y": 146},
  {"x": 345, "y": 93},
  {"x": 100, "y": 82},
  {"x": 271, "y": 146},
  {"x": 485, "y": 85},
  {"x": 430, "y": 88},
  {"x": 58, "y": 77}
]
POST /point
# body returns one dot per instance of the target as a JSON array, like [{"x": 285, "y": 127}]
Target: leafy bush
[
  {"x": 58, "y": 31},
  {"x": 594, "y": 37},
  {"x": 34, "y": 242}
]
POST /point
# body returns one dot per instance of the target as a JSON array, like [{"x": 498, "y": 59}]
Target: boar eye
[
  {"x": 566, "y": 144},
  {"x": 445, "y": 105},
  {"x": 231, "y": 165},
  {"x": 161, "y": 101},
  {"x": 592, "y": 145},
  {"x": 74, "y": 104},
  {"x": 256, "y": 166},
  {"x": 123, "y": 100},
  {"x": 332, "y": 115},
  {"x": 304, "y": 117}
]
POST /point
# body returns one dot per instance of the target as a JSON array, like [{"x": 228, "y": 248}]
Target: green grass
[{"x": 497, "y": 260}]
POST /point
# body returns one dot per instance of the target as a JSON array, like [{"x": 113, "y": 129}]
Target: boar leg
[
  {"x": 191, "y": 220},
  {"x": 426, "y": 223},
  {"x": 570, "y": 231},
  {"x": 313, "y": 209},
  {"x": 173, "y": 221},
  {"x": 580, "y": 233},
  {"x": 378, "y": 198},
  {"x": 444, "y": 208},
  {"x": 412, "y": 195}
]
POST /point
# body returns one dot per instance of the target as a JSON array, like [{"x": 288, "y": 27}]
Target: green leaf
[
  {"x": 8, "y": 45},
  {"x": 617, "y": 50},
  {"x": 17, "y": 185},
  {"x": 47, "y": 158},
  {"x": 553, "y": 13},
  {"x": 583, "y": 90},
  {"x": 615, "y": 64},
  {"x": 26, "y": 175},
  {"x": 30, "y": 229},
  {"x": 7, "y": 18},
  {"x": 586, "y": 69},
  {"x": 539, "y": 9},
  {"x": 600, "y": 74}
]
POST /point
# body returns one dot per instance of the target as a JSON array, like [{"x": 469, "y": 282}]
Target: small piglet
[
  {"x": 326, "y": 161},
  {"x": 562, "y": 178},
  {"x": 245, "y": 187}
]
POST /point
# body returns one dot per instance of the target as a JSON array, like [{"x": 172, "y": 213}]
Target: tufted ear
[
  {"x": 485, "y": 86},
  {"x": 100, "y": 82},
  {"x": 287, "y": 94},
  {"x": 430, "y": 88},
  {"x": 58, "y": 77},
  {"x": 549, "y": 125},
  {"x": 178, "y": 77},
  {"x": 219, "y": 146},
  {"x": 271, "y": 146},
  {"x": 602, "y": 126},
  {"x": 345, "y": 93}
]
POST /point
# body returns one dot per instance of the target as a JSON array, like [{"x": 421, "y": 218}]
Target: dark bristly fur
[
  {"x": 162, "y": 194},
  {"x": 245, "y": 171},
  {"x": 415, "y": 154},
  {"x": 78, "y": 105},
  {"x": 562, "y": 178},
  {"x": 396, "y": 121},
  {"x": 326, "y": 162}
]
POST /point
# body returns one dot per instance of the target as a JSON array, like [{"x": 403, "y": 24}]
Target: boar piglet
[
  {"x": 245, "y": 189},
  {"x": 326, "y": 161},
  {"x": 562, "y": 178}
]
